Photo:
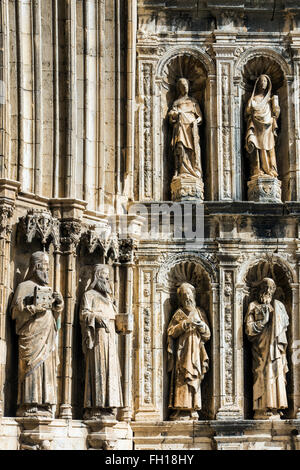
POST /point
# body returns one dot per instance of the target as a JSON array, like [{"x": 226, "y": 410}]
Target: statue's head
[
  {"x": 183, "y": 86},
  {"x": 263, "y": 85},
  {"x": 267, "y": 290},
  {"x": 39, "y": 267},
  {"x": 101, "y": 279},
  {"x": 187, "y": 295}
]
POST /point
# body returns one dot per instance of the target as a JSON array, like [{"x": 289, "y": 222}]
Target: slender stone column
[
  {"x": 8, "y": 191},
  {"x": 131, "y": 66},
  {"x": 126, "y": 257},
  {"x": 70, "y": 212}
]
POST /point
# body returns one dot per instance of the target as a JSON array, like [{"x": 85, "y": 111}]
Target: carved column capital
[
  {"x": 71, "y": 230},
  {"x": 127, "y": 248}
]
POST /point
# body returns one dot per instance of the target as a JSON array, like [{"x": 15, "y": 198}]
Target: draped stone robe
[
  {"x": 269, "y": 345},
  {"x": 187, "y": 359},
  {"x": 103, "y": 373},
  {"x": 38, "y": 357},
  {"x": 261, "y": 115},
  {"x": 185, "y": 112}
]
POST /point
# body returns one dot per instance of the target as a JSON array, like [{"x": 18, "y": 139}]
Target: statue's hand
[
  {"x": 57, "y": 298},
  {"x": 40, "y": 308},
  {"x": 202, "y": 327},
  {"x": 266, "y": 313}
]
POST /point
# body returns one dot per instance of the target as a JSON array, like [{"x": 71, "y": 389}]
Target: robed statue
[
  {"x": 185, "y": 116},
  {"x": 100, "y": 324},
  {"x": 262, "y": 112},
  {"x": 266, "y": 324},
  {"x": 36, "y": 309},
  {"x": 187, "y": 333}
]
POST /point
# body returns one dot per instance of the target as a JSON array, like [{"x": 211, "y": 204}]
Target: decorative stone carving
[
  {"x": 228, "y": 294},
  {"x": 187, "y": 332},
  {"x": 102, "y": 238},
  {"x": 99, "y": 324},
  {"x": 193, "y": 265},
  {"x": 261, "y": 113},
  {"x": 41, "y": 223},
  {"x": 264, "y": 189},
  {"x": 266, "y": 325},
  {"x": 185, "y": 116},
  {"x": 6, "y": 212},
  {"x": 71, "y": 231},
  {"x": 127, "y": 247},
  {"x": 147, "y": 92},
  {"x": 36, "y": 309}
]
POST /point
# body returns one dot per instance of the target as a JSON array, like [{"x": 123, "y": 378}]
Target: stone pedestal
[
  {"x": 264, "y": 189},
  {"x": 187, "y": 189},
  {"x": 35, "y": 434},
  {"x": 108, "y": 435}
]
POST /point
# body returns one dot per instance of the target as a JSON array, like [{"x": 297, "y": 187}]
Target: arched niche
[
  {"x": 249, "y": 67},
  {"x": 197, "y": 67},
  {"x": 199, "y": 273},
  {"x": 251, "y": 274}
]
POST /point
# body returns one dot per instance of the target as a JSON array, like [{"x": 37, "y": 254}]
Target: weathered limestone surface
[{"x": 98, "y": 166}]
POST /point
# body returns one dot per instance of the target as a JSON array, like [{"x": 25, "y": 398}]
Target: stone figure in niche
[
  {"x": 261, "y": 113},
  {"x": 187, "y": 332},
  {"x": 266, "y": 324},
  {"x": 36, "y": 309},
  {"x": 185, "y": 116},
  {"x": 99, "y": 325}
]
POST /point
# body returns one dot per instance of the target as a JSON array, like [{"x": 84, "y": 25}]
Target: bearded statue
[
  {"x": 99, "y": 324},
  {"x": 266, "y": 324},
  {"x": 36, "y": 309}
]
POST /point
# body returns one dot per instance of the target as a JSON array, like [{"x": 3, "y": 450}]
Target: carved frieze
[
  {"x": 148, "y": 126},
  {"x": 228, "y": 339},
  {"x": 225, "y": 142}
]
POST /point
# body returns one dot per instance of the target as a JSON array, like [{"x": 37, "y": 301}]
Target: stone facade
[{"x": 86, "y": 167}]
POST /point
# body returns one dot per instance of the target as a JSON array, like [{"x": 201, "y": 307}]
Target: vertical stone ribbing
[
  {"x": 71, "y": 100},
  {"x": 38, "y": 93}
]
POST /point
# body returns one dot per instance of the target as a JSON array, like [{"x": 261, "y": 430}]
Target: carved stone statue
[
  {"x": 36, "y": 309},
  {"x": 185, "y": 117},
  {"x": 266, "y": 324},
  {"x": 99, "y": 324},
  {"x": 261, "y": 113},
  {"x": 187, "y": 332}
]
